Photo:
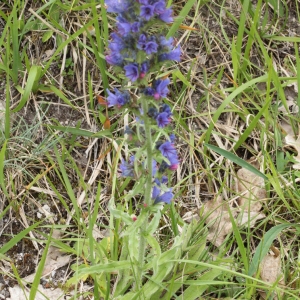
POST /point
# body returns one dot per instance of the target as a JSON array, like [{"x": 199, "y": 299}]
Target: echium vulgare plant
[{"x": 138, "y": 48}]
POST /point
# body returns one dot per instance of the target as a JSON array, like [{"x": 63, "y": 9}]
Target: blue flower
[
  {"x": 151, "y": 47},
  {"x": 147, "y": 12},
  {"x": 114, "y": 59},
  {"x": 118, "y": 99},
  {"x": 168, "y": 150},
  {"x": 168, "y": 43},
  {"x": 155, "y": 192},
  {"x": 144, "y": 69},
  {"x": 166, "y": 16},
  {"x": 160, "y": 88},
  {"x": 132, "y": 71},
  {"x": 127, "y": 169},
  {"x": 148, "y": 91},
  {"x": 166, "y": 108},
  {"x": 172, "y": 55},
  {"x": 163, "y": 180},
  {"x": 117, "y": 43},
  {"x": 172, "y": 137},
  {"x": 159, "y": 7},
  {"x": 124, "y": 27},
  {"x": 142, "y": 41},
  {"x": 117, "y": 6},
  {"x": 145, "y": 2},
  {"x": 163, "y": 119},
  {"x": 135, "y": 27},
  {"x": 159, "y": 196}
]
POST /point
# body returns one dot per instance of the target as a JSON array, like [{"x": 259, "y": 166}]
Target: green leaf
[
  {"x": 265, "y": 245},
  {"x": 179, "y": 75},
  {"x": 39, "y": 271},
  {"x": 277, "y": 7},
  {"x": 291, "y": 39},
  {"x": 47, "y": 35},
  {"x": 178, "y": 20},
  {"x": 228, "y": 99},
  {"x": 252, "y": 125},
  {"x": 236, "y": 160},
  {"x": 152, "y": 227},
  {"x": 2, "y": 160},
  {"x": 109, "y": 267},
  {"x": 61, "y": 95},
  {"x": 17, "y": 238},
  {"x": 32, "y": 77}
]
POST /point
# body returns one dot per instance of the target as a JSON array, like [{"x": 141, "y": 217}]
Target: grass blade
[
  {"x": 178, "y": 20},
  {"x": 17, "y": 238},
  {"x": 265, "y": 245},
  {"x": 33, "y": 72},
  {"x": 236, "y": 160},
  {"x": 39, "y": 271},
  {"x": 2, "y": 160},
  {"x": 227, "y": 100}
]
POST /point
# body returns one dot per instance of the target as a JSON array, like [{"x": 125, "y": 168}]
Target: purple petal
[{"x": 132, "y": 72}]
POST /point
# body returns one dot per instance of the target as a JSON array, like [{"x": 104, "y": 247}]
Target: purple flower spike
[
  {"x": 132, "y": 72},
  {"x": 139, "y": 52},
  {"x": 161, "y": 88},
  {"x": 147, "y": 12}
]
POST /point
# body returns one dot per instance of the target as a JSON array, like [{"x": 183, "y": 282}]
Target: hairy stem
[{"x": 148, "y": 187}]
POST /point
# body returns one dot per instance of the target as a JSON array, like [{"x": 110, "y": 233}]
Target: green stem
[
  {"x": 148, "y": 187},
  {"x": 148, "y": 141}
]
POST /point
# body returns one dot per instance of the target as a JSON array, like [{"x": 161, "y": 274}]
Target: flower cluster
[
  {"x": 132, "y": 47},
  {"x": 137, "y": 49}
]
